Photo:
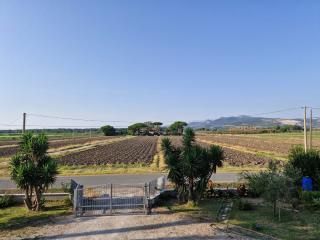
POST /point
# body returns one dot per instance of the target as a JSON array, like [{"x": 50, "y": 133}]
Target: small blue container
[{"x": 306, "y": 184}]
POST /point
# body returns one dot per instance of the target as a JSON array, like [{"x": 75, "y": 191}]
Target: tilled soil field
[
  {"x": 133, "y": 150},
  {"x": 7, "y": 151},
  {"x": 239, "y": 159},
  {"x": 232, "y": 157},
  {"x": 51, "y": 139},
  {"x": 254, "y": 143}
]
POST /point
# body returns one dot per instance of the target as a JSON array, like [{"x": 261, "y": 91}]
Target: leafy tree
[
  {"x": 191, "y": 166},
  {"x": 177, "y": 128},
  {"x": 135, "y": 128},
  {"x": 288, "y": 128},
  {"x": 308, "y": 163},
  {"x": 273, "y": 185},
  {"x": 108, "y": 130},
  {"x": 32, "y": 169},
  {"x": 157, "y": 124}
]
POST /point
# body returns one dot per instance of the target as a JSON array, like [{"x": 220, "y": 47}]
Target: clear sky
[{"x": 157, "y": 60}]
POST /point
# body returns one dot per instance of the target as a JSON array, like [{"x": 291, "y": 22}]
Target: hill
[{"x": 243, "y": 120}]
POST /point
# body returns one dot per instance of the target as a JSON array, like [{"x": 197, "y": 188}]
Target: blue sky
[{"x": 157, "y": 60}]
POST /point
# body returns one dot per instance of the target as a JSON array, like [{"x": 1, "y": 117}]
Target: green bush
[
  {"x": 6, "y": 201},
  {"x": 243, "y": 205},
  {"x": 308, "y": 163},
  {"x": 311, "y": 200},
  {"x": 309, "y": 197}
]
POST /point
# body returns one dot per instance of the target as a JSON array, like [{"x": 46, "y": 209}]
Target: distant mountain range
[{"x": 243, "y": 120}]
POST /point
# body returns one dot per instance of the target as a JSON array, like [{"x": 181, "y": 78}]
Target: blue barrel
[{"x": 306, "y": 184}]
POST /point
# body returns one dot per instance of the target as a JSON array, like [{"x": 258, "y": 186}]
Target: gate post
[
  {"x": 111, "y": 198},
  {"x": 145, "y": 205},
  {"x": 75, "y": 201}
]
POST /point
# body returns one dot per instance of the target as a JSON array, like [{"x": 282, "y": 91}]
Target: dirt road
[{"x": 160, "y": 225}]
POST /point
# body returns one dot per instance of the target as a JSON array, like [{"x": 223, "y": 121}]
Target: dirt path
[{"x": 160, "y": 225}]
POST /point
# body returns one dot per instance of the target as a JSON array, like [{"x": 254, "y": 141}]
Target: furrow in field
[
  {"x": 133, "y": 150},
  {"x": 55, "y": 145},
  {"x": 233, "y": 157}
]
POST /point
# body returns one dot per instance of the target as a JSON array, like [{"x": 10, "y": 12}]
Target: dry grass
[
  {"x": 106, "y": 169},
  {"x": 158, "y": 159}
]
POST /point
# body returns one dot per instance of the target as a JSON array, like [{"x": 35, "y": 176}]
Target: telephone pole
[
  {"x": 310, "y": 137},
  {"x": 305, "y": 129},
  {"x": 24, "y": 123}
]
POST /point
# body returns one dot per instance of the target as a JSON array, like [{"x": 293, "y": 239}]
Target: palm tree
[
  {"x": 191, "y": 166},
  {"x": 32, "y": 169}
]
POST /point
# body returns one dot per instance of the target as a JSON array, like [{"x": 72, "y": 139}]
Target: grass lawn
[
  {"x": 302, "y": 225},
  {"x": 17, "y": 217}
]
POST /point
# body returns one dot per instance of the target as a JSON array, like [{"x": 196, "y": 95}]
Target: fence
[{"x": 116, "y": 198}]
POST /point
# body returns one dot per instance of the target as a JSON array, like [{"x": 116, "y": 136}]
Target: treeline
[
  {"x": 146, "y": 129},
  {"x": 276, "y": 129}
]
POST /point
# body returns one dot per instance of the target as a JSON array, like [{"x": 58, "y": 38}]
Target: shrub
[
  {"x": 271, "y": 184},
  {"x": 243, "y": 205},
  {"x": 308, "y": 197},
  {"x": 311, "y": 199},
  {"x": 308, "y": 163},
  {"x": 6, "y": 201}
]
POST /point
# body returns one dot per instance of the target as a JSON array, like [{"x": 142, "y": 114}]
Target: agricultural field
[
  {"x": 9, "y": 148},
  {"x": 275, "y": 145},
  {"x": 250, "y": 152},
  {"x": 97, "y": 155},
  {"x": 254, "y": 151},
  {"x": 58, "y": 148},
  {"x": 133, "y": 150},
  {"x": 120, "y": 154}
]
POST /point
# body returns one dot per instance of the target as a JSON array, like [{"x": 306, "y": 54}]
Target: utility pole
[
  {"x": 24, "y": 123},
  {"x": 310, "y": 137},
  {"x": 305, "y": 129}
]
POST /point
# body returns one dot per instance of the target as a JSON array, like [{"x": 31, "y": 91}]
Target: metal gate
[{"x": 116, "y": 198}]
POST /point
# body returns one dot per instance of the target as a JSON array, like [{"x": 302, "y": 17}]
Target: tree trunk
[
  {"x": 37, "y": 202},
  {"x": 274, "y": 208},
  {"x": 190, "y": 192},
  {"x": 28, "y": 198}
]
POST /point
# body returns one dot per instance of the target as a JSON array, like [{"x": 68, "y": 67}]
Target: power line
[
  {"x": 118, "y": 121},
  {"x": 278, "y": 111},
  {"x": 6, "y": 124},
  {"x": 73, "y": 119},
  {"x": 86, "y": 120},
  {"x": 105, "y": 121}
]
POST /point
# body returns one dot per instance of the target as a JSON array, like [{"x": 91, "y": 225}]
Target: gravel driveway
[{"x": 160, "y": 225}]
